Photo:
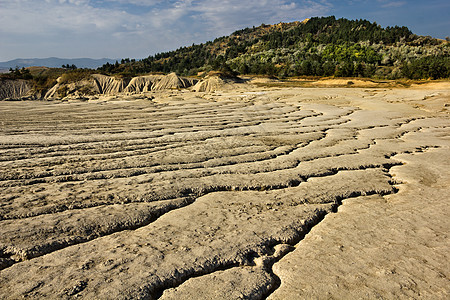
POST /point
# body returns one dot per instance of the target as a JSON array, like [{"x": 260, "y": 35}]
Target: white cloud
[
  {"x": 135, "y": 2},
  {"x": 390, "y": 4},
  {"x": 57, "y": 16},
  {"x": 233, "y": 14}
]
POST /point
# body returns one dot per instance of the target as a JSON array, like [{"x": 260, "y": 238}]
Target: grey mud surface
[{"x": 245, "y": 194}]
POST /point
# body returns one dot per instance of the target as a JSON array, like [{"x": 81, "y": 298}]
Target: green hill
[{"x": 323, "y": 46}]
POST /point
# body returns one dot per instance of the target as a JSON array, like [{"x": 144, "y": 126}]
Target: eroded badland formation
[{"x": 247, "y": 192}]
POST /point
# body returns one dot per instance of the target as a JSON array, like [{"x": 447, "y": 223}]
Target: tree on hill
[
  {"x": 322, "y": 46},
  {"x": 69, "y": 67},
  {"x": 17, "y": 73}
]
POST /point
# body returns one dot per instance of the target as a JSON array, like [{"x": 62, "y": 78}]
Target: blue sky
[{"x": 138, "y": 28}]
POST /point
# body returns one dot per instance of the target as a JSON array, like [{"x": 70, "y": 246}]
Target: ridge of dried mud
[{"x": 206, "y": 196}]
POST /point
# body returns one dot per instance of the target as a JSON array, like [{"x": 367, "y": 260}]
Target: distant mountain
[{"x": 54, "y": 62}]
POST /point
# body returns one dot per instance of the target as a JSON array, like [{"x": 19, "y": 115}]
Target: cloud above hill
[
  {"x": 114, "y": 28},
  {"x": 138, "y": 28}
]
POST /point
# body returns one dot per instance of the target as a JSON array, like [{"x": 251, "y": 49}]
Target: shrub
[{"x": 75, "y": 75}]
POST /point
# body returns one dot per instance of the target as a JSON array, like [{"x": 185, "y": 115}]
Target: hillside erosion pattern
[
  {"x": 109, "y": 85},
  {"x": 97, "y": 84},
  {"x": 157, "y": 199},
  {"x": 13, "y": 89}
]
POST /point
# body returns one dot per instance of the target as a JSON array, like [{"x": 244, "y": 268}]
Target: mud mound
[
  {"x": 209, "y": 84},
  {"x": 13, "y": 89},
  {"x": 173, "y": 81},
  {"x": 77, "y": 89},
  {"x": 109, "y": 85},
  {"x": 143, "y": 84},
  {"x": 214, "y": 82}
]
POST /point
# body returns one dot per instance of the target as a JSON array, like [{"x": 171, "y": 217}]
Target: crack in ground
[
  {"x": 267, "y": 248},
  {"x": 202, "y": 191},
  {"x": 335, "y": 207},
  {"x": 191, "y": 195},
  {"x": 28, "y": 254}
]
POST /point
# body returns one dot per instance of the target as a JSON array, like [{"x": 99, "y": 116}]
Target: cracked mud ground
[{"x": 195, "y": 196}]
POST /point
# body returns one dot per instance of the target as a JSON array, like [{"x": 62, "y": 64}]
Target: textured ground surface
[{"x": 194, "y": 195}]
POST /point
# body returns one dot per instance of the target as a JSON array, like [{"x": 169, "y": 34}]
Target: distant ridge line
[{"x": 56, "y": 62}]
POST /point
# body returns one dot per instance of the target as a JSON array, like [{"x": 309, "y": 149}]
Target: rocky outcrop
[{"x": 13, "y": 89}]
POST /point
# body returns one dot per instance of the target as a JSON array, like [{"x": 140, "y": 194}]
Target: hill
[
  {"x": 314, "y": 48},
  {"x": 54, "y": 62},
  {"x": 323, "y": 46}
]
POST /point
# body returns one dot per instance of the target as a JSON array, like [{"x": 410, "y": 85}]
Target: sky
[{"x": 139, "y": 28}]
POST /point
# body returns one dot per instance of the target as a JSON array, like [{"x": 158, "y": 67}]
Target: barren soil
[{"x": 250, "y": 193}]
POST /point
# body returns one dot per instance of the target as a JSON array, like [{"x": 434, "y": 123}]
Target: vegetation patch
[
  {"x": 62, "y": 91},
  {"x": 323, "y": 46},
  {"x": 75, "y": 76}
]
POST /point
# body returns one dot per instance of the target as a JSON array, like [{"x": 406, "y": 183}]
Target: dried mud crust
[
  {"x": 149, "y": 199},
  {"x": 392, "y": 248}
]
